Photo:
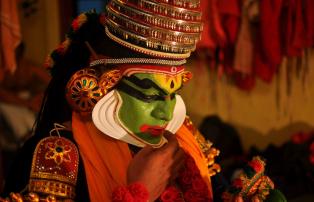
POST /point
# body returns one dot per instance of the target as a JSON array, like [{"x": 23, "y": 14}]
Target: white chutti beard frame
[{"x": 105, "y": 118}]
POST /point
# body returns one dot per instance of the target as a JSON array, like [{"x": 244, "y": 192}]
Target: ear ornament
[
  {"x": 82, "y": 90},
  {"x": 86, "y": 88}
]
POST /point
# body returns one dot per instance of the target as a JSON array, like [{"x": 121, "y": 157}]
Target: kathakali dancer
[{"x": 112, "y": 126}]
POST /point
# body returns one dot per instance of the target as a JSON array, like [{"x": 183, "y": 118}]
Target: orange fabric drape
[{"x": 106, "y": 160}]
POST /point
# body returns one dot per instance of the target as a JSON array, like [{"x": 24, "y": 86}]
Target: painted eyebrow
[
  {"x": 145, "y": 83},
  {"x": 124, "y": 87}
]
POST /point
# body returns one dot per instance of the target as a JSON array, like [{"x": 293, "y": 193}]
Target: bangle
[{"x": 135, "y": 192}]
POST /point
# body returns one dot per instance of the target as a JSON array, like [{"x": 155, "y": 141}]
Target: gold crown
[{"x": 160, "y": 28}]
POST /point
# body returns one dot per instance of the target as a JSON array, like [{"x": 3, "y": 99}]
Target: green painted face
[{"x": 148, "y": 104}]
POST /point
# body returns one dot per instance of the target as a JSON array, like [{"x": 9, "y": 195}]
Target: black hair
[{"x": 55, "y": 108}]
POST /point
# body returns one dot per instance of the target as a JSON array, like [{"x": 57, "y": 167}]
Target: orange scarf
[{"x": 106, "y": 160}]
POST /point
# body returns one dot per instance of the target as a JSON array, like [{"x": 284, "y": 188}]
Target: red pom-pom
[
  {"x": 139, "y": 192},
  {"x": 135, "y": 192},
  {"x": 191, "y": 182},
  {"x": 256, "y": 165},
  {"x": 79, "y": 21},
  {"x": 171, "y": 194},
  {"x": 122, "y": 194},
  {"x": 75, "y": 24}
]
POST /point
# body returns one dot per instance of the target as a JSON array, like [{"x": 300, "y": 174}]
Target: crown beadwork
[{"x": 161, "y": 28}]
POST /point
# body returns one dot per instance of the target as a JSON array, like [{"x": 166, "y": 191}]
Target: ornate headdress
[
  {"x": 160, "y": 28},
  {"x": 164, "y": 30},
  {"x": 156, "y": 36}
]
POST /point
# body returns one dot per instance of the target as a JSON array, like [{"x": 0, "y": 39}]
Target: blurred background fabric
[{"x": 10, "y": 36}]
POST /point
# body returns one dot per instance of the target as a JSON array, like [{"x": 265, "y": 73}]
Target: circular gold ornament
[
  {"x": 83, "y": 91},
  {"x": 109, "y": 79}
]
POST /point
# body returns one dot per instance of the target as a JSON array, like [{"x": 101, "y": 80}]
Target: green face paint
[{"x": 147, "y": 106}]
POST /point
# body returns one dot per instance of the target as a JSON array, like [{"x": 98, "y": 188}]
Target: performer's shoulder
[{"x": 46, "y": 166}]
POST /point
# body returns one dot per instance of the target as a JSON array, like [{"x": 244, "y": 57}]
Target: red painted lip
[{"x": 154, "y": 131}]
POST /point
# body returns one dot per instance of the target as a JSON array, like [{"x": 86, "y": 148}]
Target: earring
[
  {"x": 85, "y": 88},
  {"x": 82, "y": 90}
]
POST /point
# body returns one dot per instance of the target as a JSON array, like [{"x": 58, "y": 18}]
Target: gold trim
[
  {"x": 172, "y": 14},
  {"x": 106, "y": 61},
  {"x": 52, "y": 187},
  {"x": 109, "y": 79},
  {"x": 188, "y": 38},
  {"x": 162, "y": 28},
  {"x": 209, "y": 152},
  {"x": 149, "y": 42},
  {"x": 82, "y": 92},
  {"x": 184, "y": 3},
  {"x": 50, "y": 176},
  {"x": 160, "y": 5},
  {"x": 145, "y": 50},
  {"x": 58, "y": 156}
]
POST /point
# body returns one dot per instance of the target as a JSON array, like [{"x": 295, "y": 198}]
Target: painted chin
[{"x": 154, "y": 131}]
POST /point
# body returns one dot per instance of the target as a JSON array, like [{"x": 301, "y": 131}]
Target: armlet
[
  {"x": 252, "y": 184},
  {"x": 54, "y": 172},
  {"x": 55, "y": 167},
  {"x": 206, "y": 146}
]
